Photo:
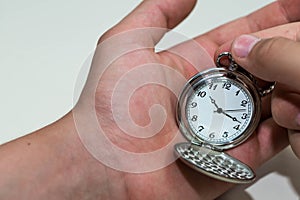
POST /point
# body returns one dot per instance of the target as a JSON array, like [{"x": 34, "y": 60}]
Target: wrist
[
  {"x": 51, "y": 163},
  {"x": 81, "y": 175}
]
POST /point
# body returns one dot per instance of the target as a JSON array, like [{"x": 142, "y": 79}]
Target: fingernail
[{"x": 243, "y": 45}]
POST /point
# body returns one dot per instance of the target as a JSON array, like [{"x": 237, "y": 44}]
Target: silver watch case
[{"x": 209, "y": 158}]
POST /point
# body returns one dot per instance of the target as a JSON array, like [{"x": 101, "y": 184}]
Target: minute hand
[
  {"x": 234, "y": 110},
  {"x": 233, "y": 118}
]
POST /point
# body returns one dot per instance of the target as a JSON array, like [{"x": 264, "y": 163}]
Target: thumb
[
  {"x": 161, "y": 15},
  {"x": 276, "y": 59}
]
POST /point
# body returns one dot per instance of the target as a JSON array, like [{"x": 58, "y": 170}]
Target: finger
[
  {"x": 286, "y": 107},
  {"x": 283, "y": 114},
  {"x": 290, "y": 9},
  {"x": 276, "y": 59},
  {"x": 294, "y": 138},
  {"x": 274, "y": 14},
  {"x": 153, "y": 13},
  {"x": 290, "y": 31}
]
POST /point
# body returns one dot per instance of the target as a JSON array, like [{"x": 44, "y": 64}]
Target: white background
[{"x": 43, "y": 45}]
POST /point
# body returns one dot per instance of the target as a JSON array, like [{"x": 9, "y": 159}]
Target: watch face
[{"x": 219, "y": 109}]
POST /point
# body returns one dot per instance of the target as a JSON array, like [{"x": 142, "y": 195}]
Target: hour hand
[{"x": 213, "y": 102}]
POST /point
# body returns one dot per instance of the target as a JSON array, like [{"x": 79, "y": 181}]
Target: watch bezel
[{"x": 194, "y": 83}]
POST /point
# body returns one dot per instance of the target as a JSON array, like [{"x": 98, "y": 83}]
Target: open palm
[{"x": 135, "y": 78}]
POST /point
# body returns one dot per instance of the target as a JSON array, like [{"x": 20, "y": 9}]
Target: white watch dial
[{"x": 219, "y": 110}]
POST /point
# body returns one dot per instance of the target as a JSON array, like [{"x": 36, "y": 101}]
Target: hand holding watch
[{"x": 203, "y": 118}]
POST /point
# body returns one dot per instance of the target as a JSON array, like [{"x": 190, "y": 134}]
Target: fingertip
[
  {"x": 243, "y": 44},
  {"x": 294, "y": 139}
]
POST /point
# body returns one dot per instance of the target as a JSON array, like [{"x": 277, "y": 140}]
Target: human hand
[
  {"x": 288, "y": 30},
  {"x": 275, "y": 59},
  {"x": 264, "y": 143},
  {"x": 54, "y": 159}
]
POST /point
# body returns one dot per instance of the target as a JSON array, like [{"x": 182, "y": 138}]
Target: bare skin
[
  {"x": 53, "y": 164},
  {"x": 276, "y": 59}
]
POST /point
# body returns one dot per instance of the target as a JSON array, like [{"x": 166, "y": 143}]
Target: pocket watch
[{"x": 219, "y": 109}]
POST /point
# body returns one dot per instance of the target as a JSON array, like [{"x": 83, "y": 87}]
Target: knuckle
[
  {"x": 276, "y": 114},
  {"x": 285, "y": 108}
]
